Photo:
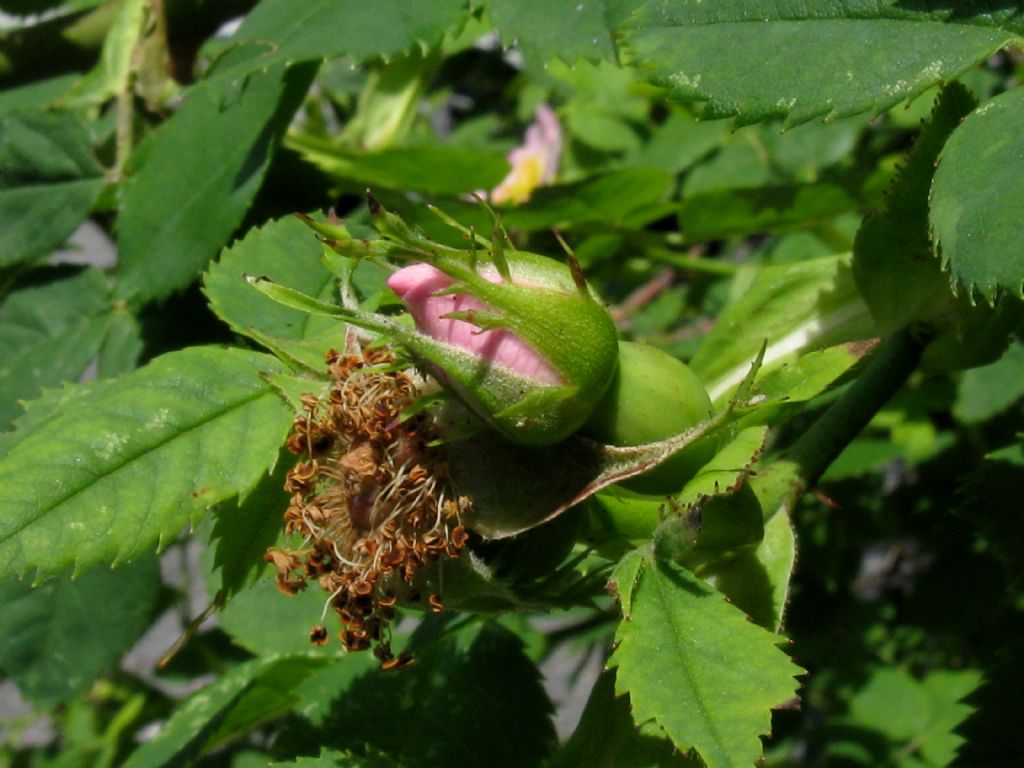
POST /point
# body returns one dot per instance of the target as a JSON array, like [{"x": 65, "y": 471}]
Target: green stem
[
  {"x": 889, "y": 369},
  {"x": 124, "y": 130},
  {"x": 690, "y": 263},
  {"x": 72, "y": 42}
]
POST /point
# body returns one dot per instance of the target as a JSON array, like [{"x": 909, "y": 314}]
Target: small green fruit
[{"x": 654, "y": 396}]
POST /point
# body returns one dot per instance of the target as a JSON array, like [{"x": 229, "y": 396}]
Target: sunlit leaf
[
  {"x": 751, "y": 60},
  {"x": 288, "y": 252},
  {"x": 137, "y": 458},
  {"x": 717, "y": 675}
]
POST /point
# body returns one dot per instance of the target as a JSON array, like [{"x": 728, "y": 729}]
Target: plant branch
[{"x": 889, "y": 368}]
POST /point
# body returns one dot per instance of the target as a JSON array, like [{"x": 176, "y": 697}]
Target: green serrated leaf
[
  {"x": 893, "y": 265},
  {"x": 716, "y": 516},
  {"x": 56, "y": 639},
  {"x": 288, "y": 252},
  {"x": 49, "y": 333},
  {"x": 312, "y": 30},
  {"x": 200, "y": 174},
  {"x": 751, "y": 60},
  {"x": 39, "y": 412},
  {"x": 247, "y": 695},
  {"x": 136, "y": 458},
  {"x": 567, "y": 29},
  {"x": 798, "y": 308},
  {"x": 242, "y": 531},
  {"x": 694, "y": 664},
  {"x": 977, "y": 202},
  {"x": 433, "y": 169},
  {"x": 49, "y": 180}
]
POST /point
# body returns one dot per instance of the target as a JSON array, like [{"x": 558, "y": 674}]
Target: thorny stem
[{"x": 891, "y": 366}]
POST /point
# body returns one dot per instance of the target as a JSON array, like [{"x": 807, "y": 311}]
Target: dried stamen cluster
[{"x": 371, "y": 499}]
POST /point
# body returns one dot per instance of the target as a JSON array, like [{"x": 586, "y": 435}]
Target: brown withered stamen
[{"x": 370, "y": 498}]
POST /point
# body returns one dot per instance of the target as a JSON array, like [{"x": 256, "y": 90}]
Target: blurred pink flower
[
  {"x": 535, "y": 163},
  {"x": 418, "y": 285}
]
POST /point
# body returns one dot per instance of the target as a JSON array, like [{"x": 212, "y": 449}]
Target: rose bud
[
  {"x": 519, "y": 338},
  {"x": 531, "y": 354}
]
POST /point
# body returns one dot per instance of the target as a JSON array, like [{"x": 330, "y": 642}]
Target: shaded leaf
[
  {"x": 757, "y": 582},
  {"x": 247, "y": 695},
  {"x": 331, "y": 758},
  {"x": 984, "y": 392},
  {"x": 56, "y": 639},
  {"x": 472, "y": 698},
  {"x": 243, "y": 530},
  {"x": 122, "y": 346},
  {"x": 717, "y": 516},
  {"x": 893, "y": 265},
  {"x": 201, "y": 172},
  {"x": 606, "y": 736},
  {"x": 750, "y": 60},
  {"x": 308, "y": 30},
  {"x": 717, "y": 675},
  {"x": 49, "y": 180},
  {"x": 36, "y": 95},
  {"x": 915, "y": 717},
  {"x": 721, "y": 213},
  {"x": 137, "y": 458},
  {"x": 49, "y": 333},
  {"x": 977, "y": 202}
]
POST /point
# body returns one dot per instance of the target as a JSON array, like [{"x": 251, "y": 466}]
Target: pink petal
[{"x": 416, "y": 286}]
